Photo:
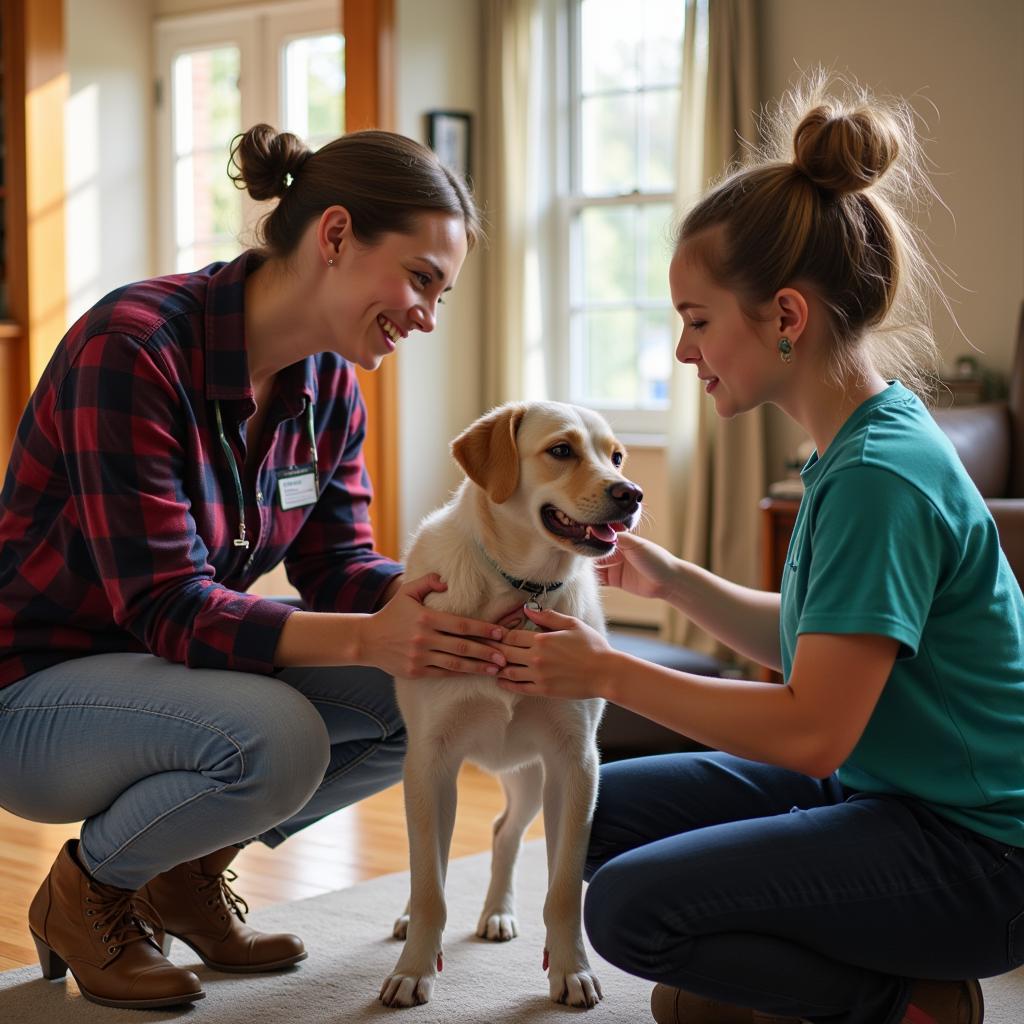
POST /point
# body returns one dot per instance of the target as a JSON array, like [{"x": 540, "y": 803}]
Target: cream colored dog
[{"x": 543, "y": 498}]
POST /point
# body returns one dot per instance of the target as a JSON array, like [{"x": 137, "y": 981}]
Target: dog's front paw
[
  {"x": 401, "y": 928},
  {"x": 408, "y": 989},
  {"x": 577, "y": 988},
  {"x": 497, "y": 926}
]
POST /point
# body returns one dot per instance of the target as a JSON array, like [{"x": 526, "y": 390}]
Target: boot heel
[{"x": 53, "y": 966}]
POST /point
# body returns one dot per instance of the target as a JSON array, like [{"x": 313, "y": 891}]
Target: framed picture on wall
[{"x": 448, "y": 135}]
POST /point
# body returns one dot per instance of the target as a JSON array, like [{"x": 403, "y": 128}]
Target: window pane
[
  {"x": 655, "y": 245},
  {"x": 608, "y": 357},
  {"x": 654, "y": 364},
  {"x": 207, "y": 102},
  {"x": 622, "y": 328},
  {"x": 314, "y": 87},
  {"x": 203, "y": 253},
  {"x": 207, "y": 115},
  {"x": 607, "y": 243},
  {"x": 608, "y": 46},
  {"x": 659, "y": 110},
  {"x": 609, "y": 145},
  {"x": 661, "y": 50}
]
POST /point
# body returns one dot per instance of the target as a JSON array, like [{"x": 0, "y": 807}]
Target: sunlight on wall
[
  {"x": 44, "y": 194},
  {"x": 82, "y": 213}
]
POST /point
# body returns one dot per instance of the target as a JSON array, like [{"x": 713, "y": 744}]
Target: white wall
[
  {"x": 438, "y": 67},
  {"x": 108, "y": 126},
  {"x": 966, "y": 59}
]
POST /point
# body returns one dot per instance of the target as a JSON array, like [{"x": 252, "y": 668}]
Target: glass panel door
[{"x": 207, "y": 115}]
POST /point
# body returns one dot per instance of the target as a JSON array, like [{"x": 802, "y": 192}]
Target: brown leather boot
[
  {"x": 945, "y": 1002},
  {"x": 105, "y": 937},
  {"x": 197, "y": 906},
  {"x": 676, "y": 1006}
]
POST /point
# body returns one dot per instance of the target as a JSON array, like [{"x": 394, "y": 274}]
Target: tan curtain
[
  {"x": 512, "y": 347},
  {"x": 716, "y": 467}
]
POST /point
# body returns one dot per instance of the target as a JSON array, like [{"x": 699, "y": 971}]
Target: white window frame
[
  {"x": 260, "y": 31},
  {"x": 642, "y": 425}
]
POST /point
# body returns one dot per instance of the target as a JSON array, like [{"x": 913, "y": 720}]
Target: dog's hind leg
[
  {"x": 429, "y": 777},
  {"x": 523, "y": 794}
]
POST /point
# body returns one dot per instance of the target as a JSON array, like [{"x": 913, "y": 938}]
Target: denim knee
[
  {"x": 617, "y": 923},
  {"x": 287, "y": 755},
  {"x": 608, "y": 902}
]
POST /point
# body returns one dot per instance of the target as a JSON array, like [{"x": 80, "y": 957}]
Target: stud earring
[
  {"x": 330, "y": 262},
  {"x": 786, "y": 350}
]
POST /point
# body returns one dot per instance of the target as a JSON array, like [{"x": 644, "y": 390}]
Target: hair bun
[
  {"x": 262, "y": 159},
  {"x": 844, "y": 150}
]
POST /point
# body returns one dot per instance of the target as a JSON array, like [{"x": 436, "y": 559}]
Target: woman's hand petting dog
[
  {"x": 406, "y": 638},
  {"x": 638, "y": 566},
  {"x": 564, "y": 661}
]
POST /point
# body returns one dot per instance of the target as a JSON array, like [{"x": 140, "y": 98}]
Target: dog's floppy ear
[{"x": 487, "y": 451}]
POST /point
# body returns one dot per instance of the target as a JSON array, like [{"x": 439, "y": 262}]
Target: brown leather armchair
[{"x": 989, "y": 438}]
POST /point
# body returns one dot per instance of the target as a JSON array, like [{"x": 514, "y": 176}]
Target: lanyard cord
[
  {"x": 240, "y": 541},
  {"x": 312, "y": 443}
]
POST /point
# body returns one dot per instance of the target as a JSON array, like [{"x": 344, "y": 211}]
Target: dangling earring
[
  {"x": 786, "y": 350},
  {"x": 330, "y": 262}
]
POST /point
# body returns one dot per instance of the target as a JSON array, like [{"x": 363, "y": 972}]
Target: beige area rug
[{"x": 350, "y": 952}]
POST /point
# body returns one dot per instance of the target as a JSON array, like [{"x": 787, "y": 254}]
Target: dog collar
[{"x": 534, "y": 589}]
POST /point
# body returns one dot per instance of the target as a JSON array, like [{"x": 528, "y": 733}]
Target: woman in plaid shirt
[{"x": 190, "y": 433}]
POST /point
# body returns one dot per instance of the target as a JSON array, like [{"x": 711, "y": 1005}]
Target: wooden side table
[{"x": 778, "y": 516}]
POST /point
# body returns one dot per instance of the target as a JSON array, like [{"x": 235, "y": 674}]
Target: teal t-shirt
[{"x": 892, "y": 538}]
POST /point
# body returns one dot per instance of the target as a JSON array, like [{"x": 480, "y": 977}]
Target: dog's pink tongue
[{"x": 603, "y": 532}]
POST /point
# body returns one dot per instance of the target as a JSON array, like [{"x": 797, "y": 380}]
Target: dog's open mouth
[{"x": 599, "y": 537}]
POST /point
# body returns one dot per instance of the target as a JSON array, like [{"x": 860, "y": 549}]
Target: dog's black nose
[{"x": 626, "y": 494}]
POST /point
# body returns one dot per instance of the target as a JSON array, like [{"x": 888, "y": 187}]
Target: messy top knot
[
  {"x": 844, "y": 151},
  {"x": 828, "y": 203},
  {"x": 384, "y": 180},
  {"x": 265, "y": 161}
]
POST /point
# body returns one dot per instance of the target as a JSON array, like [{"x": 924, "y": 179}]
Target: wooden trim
[
  {"x": 35, "y": 89},
  {"x": 369, "y": 29},
  {"x": 13, "y": 353},
  {"x": 13, "y": 397},
  {"x": 47, "y": 90}
]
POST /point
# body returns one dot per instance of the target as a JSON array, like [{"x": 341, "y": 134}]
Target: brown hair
[
  {"x": 384, "y": 180},
  {"x": 827, "y": 202}
]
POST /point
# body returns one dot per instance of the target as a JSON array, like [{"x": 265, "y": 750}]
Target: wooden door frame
[
  {"x": 369, "y": 30},
  {"x": 35, "y": 91}
]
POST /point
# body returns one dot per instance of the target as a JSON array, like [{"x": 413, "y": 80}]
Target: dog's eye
[
  {"x": 560, "y": 451},
  {"x": 616, "y": 459}
]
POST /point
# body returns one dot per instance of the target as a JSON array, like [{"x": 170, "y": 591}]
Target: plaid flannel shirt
[{"x": 119, "y": 510}]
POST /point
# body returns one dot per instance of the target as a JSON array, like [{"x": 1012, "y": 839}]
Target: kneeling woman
[{"x": 190, "y": 433}]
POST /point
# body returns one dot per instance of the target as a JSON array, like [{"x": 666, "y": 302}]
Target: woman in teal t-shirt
[{"x": 853, "y": 850}]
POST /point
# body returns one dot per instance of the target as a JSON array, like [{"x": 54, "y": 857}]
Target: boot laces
[
  {"x": 122, "y": 916},
  {"x": 218, "y": 890}
]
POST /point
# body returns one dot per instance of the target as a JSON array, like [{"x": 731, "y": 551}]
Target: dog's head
[{"x": 558, "y": 464}]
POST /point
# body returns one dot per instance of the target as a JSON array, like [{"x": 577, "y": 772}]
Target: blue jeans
[
  {"x": 765, "y": 888},
  {"x": 166, "y": 763}
]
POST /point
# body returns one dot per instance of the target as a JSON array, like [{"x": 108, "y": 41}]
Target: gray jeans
[{"x": 166, "y": 763}]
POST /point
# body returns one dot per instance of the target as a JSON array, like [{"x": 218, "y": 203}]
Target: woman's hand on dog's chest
[
  {"x": 409, "y": 640},
  {"x": 557, "y": 656}
]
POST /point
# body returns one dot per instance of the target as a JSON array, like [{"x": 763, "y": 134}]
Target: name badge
[{"x": 296, "y": 488}]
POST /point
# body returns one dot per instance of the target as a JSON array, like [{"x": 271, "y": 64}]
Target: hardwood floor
[{"x": 350, "y": 846}]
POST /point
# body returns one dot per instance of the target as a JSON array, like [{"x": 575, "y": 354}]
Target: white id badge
[{"x": 296, "y": 488}]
